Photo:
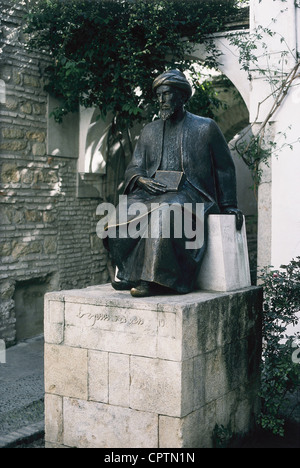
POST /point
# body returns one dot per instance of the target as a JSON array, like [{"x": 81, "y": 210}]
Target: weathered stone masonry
[{"x": 48, "y": 239}]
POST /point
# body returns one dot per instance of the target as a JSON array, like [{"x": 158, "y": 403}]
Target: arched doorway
[{"x": 234, "y": 122}]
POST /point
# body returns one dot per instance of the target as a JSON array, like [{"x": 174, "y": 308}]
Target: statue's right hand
[{"x": 151, "y": 186}]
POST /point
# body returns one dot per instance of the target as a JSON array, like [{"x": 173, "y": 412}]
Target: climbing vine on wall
[{"x": 252, "y": 49}]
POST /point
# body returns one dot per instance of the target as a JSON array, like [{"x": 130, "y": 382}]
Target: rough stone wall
[{"x": 46, "y": 232}]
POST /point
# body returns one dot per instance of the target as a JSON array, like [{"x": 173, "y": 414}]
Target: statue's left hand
[
  {"x": 239, "y": 218},
  {"x": 151, "y": 186}
]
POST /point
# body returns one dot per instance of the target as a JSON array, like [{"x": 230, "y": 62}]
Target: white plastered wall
[{"x": 284, "y": 169}]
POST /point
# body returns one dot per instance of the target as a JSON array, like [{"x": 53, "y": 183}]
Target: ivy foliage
[{"x": 107, "y": 53}]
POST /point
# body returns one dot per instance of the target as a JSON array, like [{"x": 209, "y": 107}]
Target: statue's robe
[{"x": 197, "y": 147}]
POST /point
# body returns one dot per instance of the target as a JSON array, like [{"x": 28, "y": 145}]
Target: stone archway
[
  {"x": 235, "y": 120},
  {"x": 235, "y": 123},
  {"x": 278, "y": 194},
  {"x": 229, "y": 62}
]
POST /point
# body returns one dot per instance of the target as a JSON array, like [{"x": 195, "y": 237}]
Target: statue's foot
[
  {"x": 121, "y": 285},
  {"x": 142, "y": 290}
]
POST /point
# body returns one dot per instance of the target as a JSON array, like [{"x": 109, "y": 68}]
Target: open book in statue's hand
[{"x": 173, "y": 180}]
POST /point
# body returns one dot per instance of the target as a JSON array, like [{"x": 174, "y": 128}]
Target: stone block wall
[
  {"x": 157, "y": 372},
  {"x": 48, "y": 235}
]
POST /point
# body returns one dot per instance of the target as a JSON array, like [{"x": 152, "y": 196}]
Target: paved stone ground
[
  {"x": 258, "y": 440},
  {"x": 22, "y": 392},
  {"x": 37, "y": 442}
]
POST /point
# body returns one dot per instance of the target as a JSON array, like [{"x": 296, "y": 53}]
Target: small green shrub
[
  {"x": 222, "y": 436},
  {"x": 280, "y": 372}
]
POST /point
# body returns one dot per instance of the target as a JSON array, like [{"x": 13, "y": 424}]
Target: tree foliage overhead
[{"x": 106, "y": 53}]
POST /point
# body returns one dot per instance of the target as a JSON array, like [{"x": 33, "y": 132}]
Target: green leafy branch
[
  {"x": 105, "y": 54},
  {"x": 104, "y": 50},
  {"x": 280, "y": 375}
]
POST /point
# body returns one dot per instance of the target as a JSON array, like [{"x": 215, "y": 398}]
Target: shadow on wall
[{"x": 29, "y": 305}]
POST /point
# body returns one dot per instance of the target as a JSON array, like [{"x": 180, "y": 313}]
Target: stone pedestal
[
  {"x": 158, "y": 372},
  {"x": 225, "y": 266}
]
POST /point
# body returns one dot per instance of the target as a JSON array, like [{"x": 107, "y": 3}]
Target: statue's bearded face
[{"x": 170, "y": 100}]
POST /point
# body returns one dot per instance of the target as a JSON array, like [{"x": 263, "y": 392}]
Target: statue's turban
[{"x": 173, "y": 78}]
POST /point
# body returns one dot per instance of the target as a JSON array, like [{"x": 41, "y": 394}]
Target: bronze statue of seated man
[{"x": 194, "y": 150}]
